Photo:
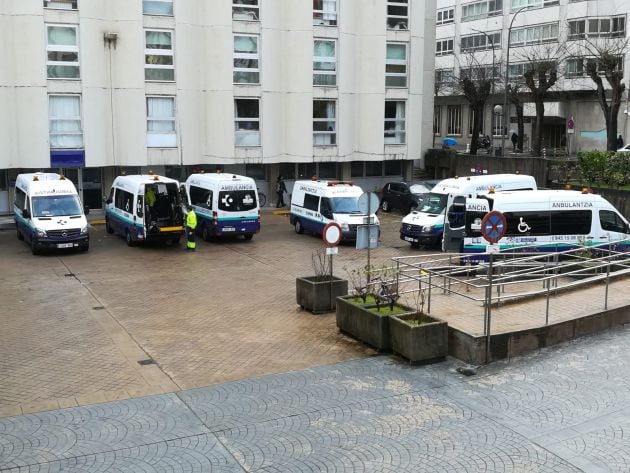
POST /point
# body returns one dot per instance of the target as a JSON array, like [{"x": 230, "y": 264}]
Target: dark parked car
[{"x": 403, "y": 195}]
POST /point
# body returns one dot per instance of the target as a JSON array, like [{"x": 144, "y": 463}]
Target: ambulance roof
[
  {"x": 44, "y": 183},
  {"x": 480, "y": 184},
  {"x": 329, "y": 187},
  {"x": 140, "y": 179},
  {"x": 213, "y": 178},
  {"x": 536, "y": 196}
]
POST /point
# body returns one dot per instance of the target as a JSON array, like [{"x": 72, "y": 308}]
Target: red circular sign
[
  {"x": 332, "y": 234},
  {"x": 493, "y": 226}
]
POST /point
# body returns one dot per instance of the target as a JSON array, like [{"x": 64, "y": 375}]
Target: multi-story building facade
[
  {"x": 466, "y": 28},
  {"x": 334, "y": 88}
]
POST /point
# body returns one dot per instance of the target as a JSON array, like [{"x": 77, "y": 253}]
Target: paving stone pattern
[{"x": 562, "y": 409}]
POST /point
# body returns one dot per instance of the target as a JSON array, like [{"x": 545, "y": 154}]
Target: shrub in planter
[
  {"x": 319, "y": 293},
  {"x": 367, "y": 322},
  {"x": 419, "y": 337}
]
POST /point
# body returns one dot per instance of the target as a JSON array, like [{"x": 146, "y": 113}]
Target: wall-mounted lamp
[{"x": 110, "y": 39}]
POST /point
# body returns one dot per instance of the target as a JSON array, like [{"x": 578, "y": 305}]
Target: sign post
[
  {"x": 570, "y": 132},
  {"x": 368, "y": 203},
  {"x": 493, "y": 228},
  {"x": 332, "y": 236}
]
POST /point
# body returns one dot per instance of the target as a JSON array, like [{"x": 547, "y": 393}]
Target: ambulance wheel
[
  {"x": 385, "y": 206},
  {"x": 34, "y": 247},
  {"x": 128, "y": 239},
  {"x": 108, "y": 228},
  {"x": 248, "y": 236},
  {"x": 85, "y": 248},
  {"x": 205, "y": 233},
  {"x": 415, "y": 245},
  {"x": 298, "y": 226},
  {"x": 20, "y": 236}
]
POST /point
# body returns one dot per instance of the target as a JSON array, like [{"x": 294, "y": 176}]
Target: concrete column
[{"x": 345, "y": 171}]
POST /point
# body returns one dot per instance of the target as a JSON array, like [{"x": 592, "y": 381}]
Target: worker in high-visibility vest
[{"x": 191, "y": 224}]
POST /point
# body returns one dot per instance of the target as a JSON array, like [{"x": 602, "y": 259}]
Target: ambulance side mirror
[
  {"x": 86, "y": 210},
  {"x": 26, "y": 213}
]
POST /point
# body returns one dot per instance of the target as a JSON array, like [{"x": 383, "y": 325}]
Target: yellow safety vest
[{"x": 191, "y": 219}]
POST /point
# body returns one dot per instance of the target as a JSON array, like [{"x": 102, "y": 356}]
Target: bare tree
[
  {"x": 541, "y": 74},
  {"x": 606, "y": 57},
  {"x": 515, "y": 96},
  {"x": 475, "y": 83}
]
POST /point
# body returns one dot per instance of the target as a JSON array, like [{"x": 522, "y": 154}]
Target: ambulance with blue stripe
[
  {"x": 425, "y": 225},
  {"x": 48, "y": 213},
  {"x": 314, "y": 204},
  {"x": 145, "y": 208},
  {"x": 225, "y": 204}
]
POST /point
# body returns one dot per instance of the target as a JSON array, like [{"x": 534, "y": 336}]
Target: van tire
[
  {"x": 205, "y": 233},
  {"x": 298, "y": 226},
  {"x": 108, "y": 227},
  {"x": 248, "y": 236},
  {"x": 385, "y": 206},
  {"x": 128, "y": 238},
  {"x": 34, "y": 249},
  {"x": 19, "y": 235}
]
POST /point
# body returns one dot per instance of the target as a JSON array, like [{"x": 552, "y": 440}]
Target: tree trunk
[
  {"x": 615, "y": 104},
  {"x": 521, "y": 126},
  {"x": 540, "y": 116},
  {"x": 474, "y": 141}
]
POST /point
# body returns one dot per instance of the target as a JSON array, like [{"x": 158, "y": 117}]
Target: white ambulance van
[
  {"x": 316, "y": 203},
  {"x": 145, "y": 208},
  {"x": 225, "y": 204},
  {"x": 48, "y": 212},
  {"x": 425, "y": 225},
  {"x": 548, "y": 221}
]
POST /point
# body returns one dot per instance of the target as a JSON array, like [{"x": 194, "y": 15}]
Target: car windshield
[
  {"x": 345, "y": 205},
  {"x": 56, "y": 206},
  {"x": 433, "y": 203},
  {"x": 419, "y": 189}
]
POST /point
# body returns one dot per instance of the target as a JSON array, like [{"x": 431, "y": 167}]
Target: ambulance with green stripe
[
  {"x": 226, "y": 204},
  {"x": 48, "y": 213},
  {"x": 145, "y": 208},
  {"x": 425, "y": 225}
]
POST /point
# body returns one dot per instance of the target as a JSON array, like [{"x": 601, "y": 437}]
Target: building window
[
  {"x": 324, "y": 122},
  {"x": 246, "y": 69},
  {"x": 373, "y": 168},
  {"x": 63, "y": 52},
  {"x": 397, "y": 14},
  {"x": 517, "y": 71},
  {"x": 454, "y": 119},
  {"x": 444, "y": 76},
  {"x": 598, "y": 27},
  {"x": 480, "y": 41},
  {"x": 497, "y": 123},
  {"x": 444, "y": 47},
  {"x": 61, "y": 4},
  {"x": 395, "y": 122},
  {"x": 437, "y": 120},
  {"x": 396, "y": 65},
  {"x": 327, "y": 170},
  {"x": 444, "y": 17},
  {"x": 575, "y": 67},
  {"x": 161, "y": 122},
  {"x": 577, "y": 29},
  {"x": 534, "y": 35},
  {"x": 324, "y": 63},
  {"x": 475, "y": 11},
  {"x": 516, "y": 4},
  {"x": 64, "y": 121},
  {"x": 158, "y": 53},
  {"x": 247, "y": 122},
  {"x": 325, "y": 12},
  {"x": 157, "y": 7},
  {"x": 247, "y": 10}
]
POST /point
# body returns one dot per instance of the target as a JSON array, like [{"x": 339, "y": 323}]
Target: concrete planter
[
  {"x": 357, "y": 320},
  {"x": 314, "y": 293},
  {"x": 419, "y": 343}
]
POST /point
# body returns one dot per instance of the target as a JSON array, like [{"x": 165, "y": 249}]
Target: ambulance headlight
[
  {"x": 84, "y": 230},
  {"x": 344, "y": 227},
  {"x": 427, "y": 228},
  {"x": 41, "y": 233}
]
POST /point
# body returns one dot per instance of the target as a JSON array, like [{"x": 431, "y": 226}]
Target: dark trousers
[{"x": 280, "y": 200}]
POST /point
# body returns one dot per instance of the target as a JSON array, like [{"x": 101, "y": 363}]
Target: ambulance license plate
[
  {"x": 410, "y": 239},
  {"x": 229, "y": 229},
  {"x": 65, "y": 245}
]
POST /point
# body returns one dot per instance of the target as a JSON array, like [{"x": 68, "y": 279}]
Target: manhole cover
[{"x": 150, "y": 361}]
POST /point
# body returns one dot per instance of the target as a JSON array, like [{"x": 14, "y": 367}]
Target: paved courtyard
[
  {"x": 563, "y": 409},
  {"x": 73, "y": 327}
]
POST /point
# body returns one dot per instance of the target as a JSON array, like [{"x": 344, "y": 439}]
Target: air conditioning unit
[{"x": 401, "y": 25}]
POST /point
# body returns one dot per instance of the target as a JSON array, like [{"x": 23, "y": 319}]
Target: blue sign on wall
[{"x": 67, "y": 158}]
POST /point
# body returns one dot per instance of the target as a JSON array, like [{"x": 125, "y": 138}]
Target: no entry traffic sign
[{"x": 493, "y": 226}]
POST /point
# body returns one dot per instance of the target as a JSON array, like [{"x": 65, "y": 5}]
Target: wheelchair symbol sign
[{"x": 493, "y": 226}]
